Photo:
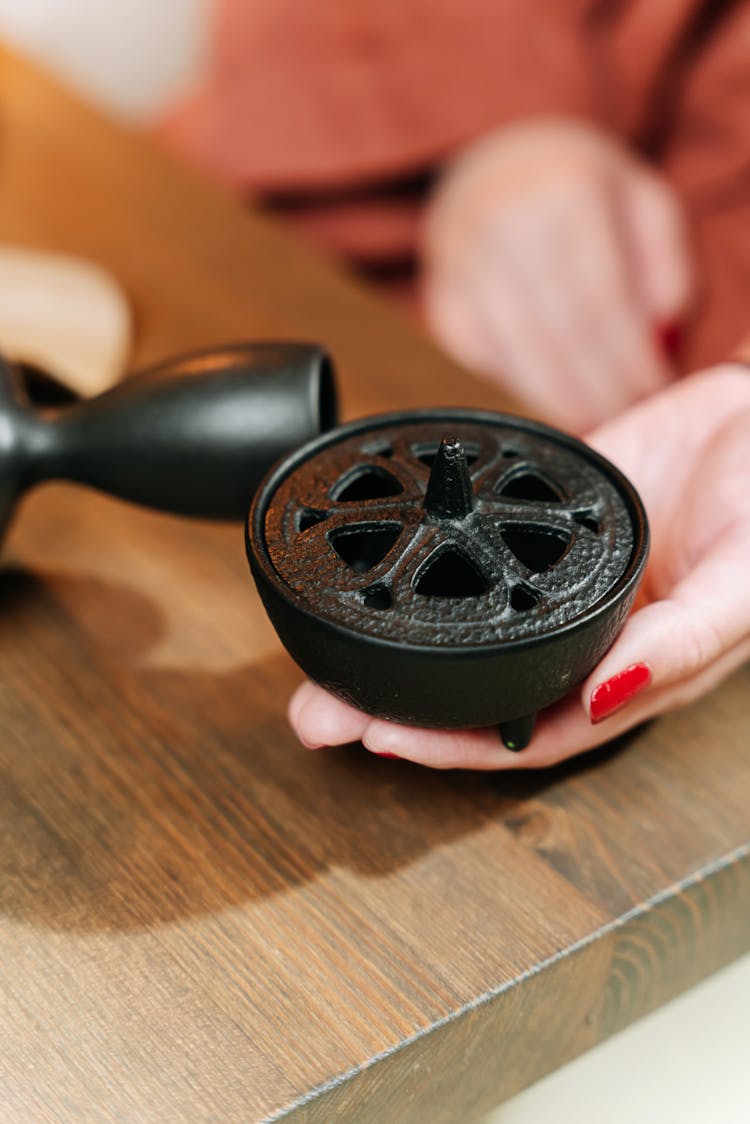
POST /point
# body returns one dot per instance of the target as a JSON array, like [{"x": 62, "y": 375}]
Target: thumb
[
  {"x": 668, "y": 654},
  {"x": 674, "y": 643}
]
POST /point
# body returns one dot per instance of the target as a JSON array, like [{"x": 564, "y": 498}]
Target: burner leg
[{"x": 517, "y": 733}]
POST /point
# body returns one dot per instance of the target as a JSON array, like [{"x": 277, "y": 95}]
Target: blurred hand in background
[{"x": 557, "y": 263}]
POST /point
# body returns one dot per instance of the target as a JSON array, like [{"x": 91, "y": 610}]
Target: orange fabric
[
  {"x": 327, "y": 109},
  {"x": 335, "y": 91}
]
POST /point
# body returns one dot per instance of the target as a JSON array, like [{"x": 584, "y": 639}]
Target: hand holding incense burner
[{"x": 447, "y": 568}]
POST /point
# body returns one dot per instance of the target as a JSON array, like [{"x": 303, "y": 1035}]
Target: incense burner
[{"x": 447, "y": 568}]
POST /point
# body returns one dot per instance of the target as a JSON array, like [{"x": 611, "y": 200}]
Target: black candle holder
[
  {"x": 447, "y": 568},
  {"x": 193, "y": 435}
]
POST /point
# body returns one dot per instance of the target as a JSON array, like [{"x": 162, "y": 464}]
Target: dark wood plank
[{"x": 198, "y": 919}]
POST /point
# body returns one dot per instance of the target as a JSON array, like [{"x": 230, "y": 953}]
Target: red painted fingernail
[
  {"x": 385, "y": 753},
  {"x": 670, "y": 337},
  {"x": 614, "y": 693}
]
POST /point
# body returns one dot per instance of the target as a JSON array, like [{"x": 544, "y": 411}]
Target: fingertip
[
  {"x": 297, "y": 702},
  {"x": 441, "y": 749},
  {"x": 385, "y": 739},
  {"x": 320, "y": 719},
  {"x": 648, "y": 642}
]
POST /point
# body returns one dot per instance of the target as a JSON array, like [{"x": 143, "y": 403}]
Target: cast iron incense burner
[{"x": 447, "y": 568}]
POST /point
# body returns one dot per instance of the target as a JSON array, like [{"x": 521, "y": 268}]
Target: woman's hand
[
  {"x": 557, "y": 264},
  {"x": 687, "y": 450}
]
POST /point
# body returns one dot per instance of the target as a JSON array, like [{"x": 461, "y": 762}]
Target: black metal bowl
[{"x": 447, "y": 568}]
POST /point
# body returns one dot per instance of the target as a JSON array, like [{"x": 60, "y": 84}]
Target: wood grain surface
[{"x": 201, "y": 921}]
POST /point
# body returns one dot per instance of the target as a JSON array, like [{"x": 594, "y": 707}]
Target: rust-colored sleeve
[{"x": 326, "y": 109}]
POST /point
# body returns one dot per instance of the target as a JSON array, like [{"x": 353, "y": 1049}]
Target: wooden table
[{"x": 198, "y": 919}]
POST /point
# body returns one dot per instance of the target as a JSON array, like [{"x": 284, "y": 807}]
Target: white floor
[{"x": 689, "y": 1062}]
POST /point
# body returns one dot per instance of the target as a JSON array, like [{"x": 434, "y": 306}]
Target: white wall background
[{"x": 132, "y": 56}]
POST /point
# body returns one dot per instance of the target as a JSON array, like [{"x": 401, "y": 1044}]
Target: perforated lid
[{"x": 450, "y": 528}]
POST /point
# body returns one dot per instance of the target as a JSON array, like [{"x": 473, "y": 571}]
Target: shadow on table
[{"x": 133, "y": 796}]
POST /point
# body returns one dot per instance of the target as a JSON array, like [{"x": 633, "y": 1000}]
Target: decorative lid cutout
[
  {"x": 363, "y": 545},
  {"x": 530, "y": 486},
  {"x": 536, "y": 548},
  {"x": 450, "y": 573},
  {"x": 369, "y": 482}
]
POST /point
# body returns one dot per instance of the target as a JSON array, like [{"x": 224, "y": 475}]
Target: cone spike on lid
[{"x": 449, "y": 491}]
